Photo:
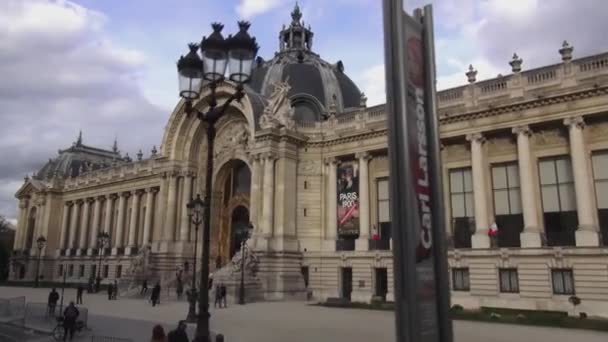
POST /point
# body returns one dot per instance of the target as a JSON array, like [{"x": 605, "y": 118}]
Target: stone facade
[{"x": 525, "y": 152}]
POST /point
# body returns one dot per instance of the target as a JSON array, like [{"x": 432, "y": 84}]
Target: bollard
[{"x": 219, "y": 338}]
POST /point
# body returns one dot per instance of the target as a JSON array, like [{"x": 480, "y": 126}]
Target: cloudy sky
[{"x": 108, "y": 66}]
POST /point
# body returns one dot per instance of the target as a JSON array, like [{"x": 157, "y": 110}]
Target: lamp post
[
  {"x": 103, "y": 238},
  {"x": 246, "y": 233},
  {"x": 62, "y": 291},
  {"x": 237, "y": 52},
  {"x": 40, "y": 243},
  {"x": 195, "y": 214}
]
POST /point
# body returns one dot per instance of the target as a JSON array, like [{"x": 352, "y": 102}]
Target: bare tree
[{"x": 4, "y": 223}]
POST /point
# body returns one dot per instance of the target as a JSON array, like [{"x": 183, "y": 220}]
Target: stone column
[
  {"x": 186, "y": 196},
  {"x": 120, "y": 220},
  {"x": 254, "y": 203},
  {"x": 160, "y": 209},
  {"x": 108, "y": 222},
  {"x": 21, "y": 225},
  {"x": 268, "y": 196},
  {"x": 480, "y": 239},
  {"x": 64, "y": 225},
  {"x": 331, "y": 231},
  {"x": 530, "y": 237},
  {"x": 74, "y": 224},
  {"x": 169, "y": 228},
  {"x": 362, "y": 243},
  {"x": 95, "y": 223},
  {"x": 84, "y": 224},
  {"x": 134, "y": 216},
  {"x": 148, "y": 218},
  {"x": 587, "y": 232}
]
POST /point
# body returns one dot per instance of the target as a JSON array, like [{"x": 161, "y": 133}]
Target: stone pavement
[{"x": 281, "y": 321}]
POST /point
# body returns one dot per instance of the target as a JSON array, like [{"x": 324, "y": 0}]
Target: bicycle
[{"x": 59, "y": 331}]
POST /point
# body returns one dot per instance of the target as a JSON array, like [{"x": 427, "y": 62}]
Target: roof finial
[
  {"x": 154, "y": 151},
  {"x": 140, "y": 155},
  {"x": 296, "y": 14},
  {"x": 515, "y": 63},
  {"x": 566, "y": 51},
  {"x": 471, "y": 74},
  {"x": 115, "y": 146},
  {"x": 79, "y": 140}
]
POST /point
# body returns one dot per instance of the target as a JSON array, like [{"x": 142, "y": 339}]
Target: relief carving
[
  {"x": 309, "y": 167},
  {"x": 549, "y": 137},
  {"x": 501, "y": 146},
  {"x": 234, "y": 137}
]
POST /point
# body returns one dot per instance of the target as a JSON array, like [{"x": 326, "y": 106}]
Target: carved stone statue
[
  {"x": 140, "y": 262},
  {"x": 278, "y": 113}
]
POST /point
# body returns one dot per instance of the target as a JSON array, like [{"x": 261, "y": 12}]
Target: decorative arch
[
  {"x": 183, "y": 129},
  {"x": 306, "y": 105}
]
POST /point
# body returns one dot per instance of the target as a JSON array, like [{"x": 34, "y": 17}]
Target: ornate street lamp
[
  {"x": 238, "y": 52},
  {"x": 103, "y": 239},
  {"x": 40, "y": 243},
  {"x": 246, "y": 234},
  {"x": 195, "y": 214}
]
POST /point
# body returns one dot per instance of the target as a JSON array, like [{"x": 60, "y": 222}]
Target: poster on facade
[
  {"x": 421, "y": 295},
  {"x": 348, "y": 200}
]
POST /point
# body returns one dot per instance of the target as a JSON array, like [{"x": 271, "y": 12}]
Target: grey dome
[
  {"x": 79, "y": 157},
  {"x": 313, "y": 80}
]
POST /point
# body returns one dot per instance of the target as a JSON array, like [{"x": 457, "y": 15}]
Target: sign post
[{"x": 417, "y": 212}]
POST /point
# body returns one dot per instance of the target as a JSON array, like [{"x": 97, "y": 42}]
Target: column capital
[
  {"x": 575, "y": 121},
  {"x": 151, "y": 190},
  {"x": 476, "y": 137},
  {"x": 137, "y": 192},
  {"x": 79, "y": 201},
  {"x": 268, "y": 156},
  {"x": 125, "y": 194},
  {"x": 112, "y": 196},
  {"x": 90, "y": 199},
  {"x": 365, "y": 155},
  {"x": 332, "y": 161},
  {"x": 68, "y": 203},
  {"x": 524, "y": 130}
]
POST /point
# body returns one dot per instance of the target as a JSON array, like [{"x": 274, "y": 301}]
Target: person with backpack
[
  {"x": 223, "y": 295},
  {"x": 52, "y": 302},
  {"x": 79, "y": 292},
  {"x": 155, "y": 294},
  {"x": 70, "y": 315},
  {"x": 179, "y": 334}
]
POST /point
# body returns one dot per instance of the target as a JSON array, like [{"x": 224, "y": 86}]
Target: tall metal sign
[{"x": 417, "y": 212}]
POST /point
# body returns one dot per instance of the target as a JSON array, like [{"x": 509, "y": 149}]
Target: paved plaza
[{"x": 282, "y": 321}]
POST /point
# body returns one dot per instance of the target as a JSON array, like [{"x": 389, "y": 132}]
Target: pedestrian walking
[
  {"x": 110, "y": 291},
  {"x": 223, "y": 295},
  {"x": 79, "y": 291},
  {"x": 155, "y": 294},
  {"x": 144, "y": 287},
  {"x": 70, "y": 315},
  {"x": 218, "y": 296},
  {"x": 179, "y": 334},
  {"x": 90, "y": 285},
  {"x": 158, "y": 333},
  {"x": 52, "y": 302},
  {"x": 210, "y": 285}
]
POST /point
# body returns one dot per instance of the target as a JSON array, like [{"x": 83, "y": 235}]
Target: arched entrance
[
  {"x": 238, "y": 222},
  {"x": 232, "y": 208}
]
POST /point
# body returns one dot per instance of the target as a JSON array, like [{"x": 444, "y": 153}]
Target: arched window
[{"x": 305, "y": 110}]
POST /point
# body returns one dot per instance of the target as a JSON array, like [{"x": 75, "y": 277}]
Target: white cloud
[
  {"x": 372, "y": 82},
  {"x": 61, "y": 73},
  {"x": 247, "y": 9}
]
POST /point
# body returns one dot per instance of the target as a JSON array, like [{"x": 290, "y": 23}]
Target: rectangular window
[
  {"x": 105, "y": 271},
  {"x": 81, "y": 271},
  {"x": 305, "y": 185},
  {"x": 462, "y": 206},
  {"x": 384, "y": 217},
  {"x": 60, "y": 270},
  {"x": 600, "y": 177},
  {"x": 508, "y": 280},
  {"x": 93, "y": 271},
  {"x": 70, "y": 270},
  {"x": 507, "y": 203},
  {"x": 559, "y": 201},
  {"x": 563, "y": 281},
  {"x": 460, "y": 279},
  {"x": 118, "y": 271}
]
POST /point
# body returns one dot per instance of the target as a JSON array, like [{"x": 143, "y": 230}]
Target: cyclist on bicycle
[{"x": 70, "y": 315}]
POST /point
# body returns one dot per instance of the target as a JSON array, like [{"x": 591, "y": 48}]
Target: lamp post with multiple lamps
[
  {"x": 103, "y": 238},
  {"x": 195, "y": 214},
  {"x": 40, "y": 243},
  {"x": 237, "y": 54},
  {"x": 246, "y": 234}
]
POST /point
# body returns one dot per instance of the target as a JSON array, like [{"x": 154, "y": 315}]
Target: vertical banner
[
  {"x": 348, "y": 200},
  {"x": 417, "y": 213}
]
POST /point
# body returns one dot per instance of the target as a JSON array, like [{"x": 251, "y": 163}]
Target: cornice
[{"x": 521, "y": 106}]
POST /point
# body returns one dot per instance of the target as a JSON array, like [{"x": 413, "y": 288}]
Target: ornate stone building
[{"x": 304, "y": 160}]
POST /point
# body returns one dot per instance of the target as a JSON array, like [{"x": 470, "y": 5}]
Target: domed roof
[
  {"x": 314, "y": 83},
  {"x": 78, "y": 158}
]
